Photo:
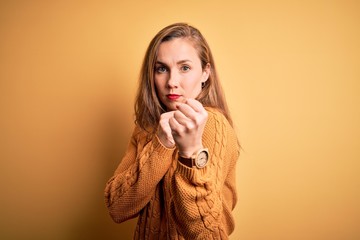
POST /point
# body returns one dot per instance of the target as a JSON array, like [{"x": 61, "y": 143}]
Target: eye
[
  {"x": 185, "y": 68},
  {"x": 161, "y": 69}
]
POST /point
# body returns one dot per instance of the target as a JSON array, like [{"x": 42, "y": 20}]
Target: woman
[{"x": 178, "y": 173}]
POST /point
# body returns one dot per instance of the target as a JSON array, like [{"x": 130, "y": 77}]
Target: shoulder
[
  {"x": 141, "y": 135},
  {"x": 217, "y": 125},
  {"x": 215, "y": 116},
  {"x": 220, "y": 137}
]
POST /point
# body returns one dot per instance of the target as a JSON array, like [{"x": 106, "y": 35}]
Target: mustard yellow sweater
[{"x": 172, "y": 200}]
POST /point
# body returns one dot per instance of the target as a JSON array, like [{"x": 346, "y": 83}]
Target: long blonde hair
[{"x": 148, "y": 107}]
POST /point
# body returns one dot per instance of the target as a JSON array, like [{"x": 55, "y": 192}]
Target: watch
[{"x": 199, "y": 159}]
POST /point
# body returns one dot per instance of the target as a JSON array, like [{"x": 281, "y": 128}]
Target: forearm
[
  {"x": 128, "y": 191},
  {"x": 204, "y": 198},
  {"x": 197, "y": 203}
]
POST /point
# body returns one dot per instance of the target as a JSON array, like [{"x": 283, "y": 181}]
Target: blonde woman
[{"x": 178, "y": 172}]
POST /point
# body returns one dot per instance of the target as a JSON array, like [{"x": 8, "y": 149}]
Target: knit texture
[{"x": 172, "y": 200}]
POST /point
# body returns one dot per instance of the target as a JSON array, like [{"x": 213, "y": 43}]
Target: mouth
[{"x": 173, "y": 97}]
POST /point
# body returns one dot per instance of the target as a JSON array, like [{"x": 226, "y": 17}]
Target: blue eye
[
  {"x": 161, "y": 69},
  {"x": 185, "y": 68}
]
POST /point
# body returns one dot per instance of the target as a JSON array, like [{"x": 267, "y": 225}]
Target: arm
[
  {"x": 135, "y": 180},
  {"x": 204, "y": 198}
]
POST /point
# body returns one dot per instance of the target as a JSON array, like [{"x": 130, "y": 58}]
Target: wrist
[
  {"x": 188, "y": 153},
  {"x": 198, "y": 159},
  {"x": 166, "y": 141}
]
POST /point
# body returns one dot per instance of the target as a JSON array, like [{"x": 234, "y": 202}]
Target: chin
[{"x": 171, "y": 106}]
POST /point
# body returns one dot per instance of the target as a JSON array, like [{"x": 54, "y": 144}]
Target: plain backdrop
[{"x": 68, "y": 78}]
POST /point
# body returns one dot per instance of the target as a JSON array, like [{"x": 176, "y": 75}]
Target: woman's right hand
[{"x": 164, "y": 131}]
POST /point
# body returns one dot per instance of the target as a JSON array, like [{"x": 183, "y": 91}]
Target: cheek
[
  {"x": 160, "y": 89},
  {"x": 157, "y": 83},
  {"x": 193, "y": 88}
]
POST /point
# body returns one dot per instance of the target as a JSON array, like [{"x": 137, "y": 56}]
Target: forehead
[{"x": 177, "y": 49}]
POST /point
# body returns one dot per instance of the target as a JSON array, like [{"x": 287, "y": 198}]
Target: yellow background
[{"x": 291, "y": 73}]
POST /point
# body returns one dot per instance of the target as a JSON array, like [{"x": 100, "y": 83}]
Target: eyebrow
[{"x": 179, "y": 62}]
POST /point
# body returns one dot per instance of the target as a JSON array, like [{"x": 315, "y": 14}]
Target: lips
[{"x": 173, "y": 97}]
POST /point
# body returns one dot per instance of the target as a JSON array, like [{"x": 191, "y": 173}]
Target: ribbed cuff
[
  {"x": 158, "y": 140},
  {"x": 194, "y": 174},
  {"x": 161, "y": 149}
]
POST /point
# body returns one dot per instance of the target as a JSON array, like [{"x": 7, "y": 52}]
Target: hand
[
  {"x": 164, "y": 130},
  {"x": 187, "y": 126}
]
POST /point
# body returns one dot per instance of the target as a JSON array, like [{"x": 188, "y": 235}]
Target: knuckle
[
  {"x": 190, "y": 126},
  {"x": 177, "y": 113},
  {"x": 197, "y": 121},
  {"x": 204, "y": 117},
  {"x": 180, "y": 132}
]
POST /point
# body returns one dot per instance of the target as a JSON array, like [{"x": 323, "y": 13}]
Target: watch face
[{"x": 202, "y": 159}]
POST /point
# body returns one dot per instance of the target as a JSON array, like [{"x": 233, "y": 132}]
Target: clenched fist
[
  {"x": 164, "y": 130},
  {"x": 184, "y": 127}
]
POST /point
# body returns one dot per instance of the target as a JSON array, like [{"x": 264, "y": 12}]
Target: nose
[{"x": 173, "y": 81}]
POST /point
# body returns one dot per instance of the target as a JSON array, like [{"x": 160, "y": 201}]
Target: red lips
[{"x": 173, "y": 97}]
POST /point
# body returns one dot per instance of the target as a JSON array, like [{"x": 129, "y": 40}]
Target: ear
[{"x": 206, "y": 72}]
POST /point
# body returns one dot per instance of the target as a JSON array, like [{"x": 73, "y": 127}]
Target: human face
[{"x": 178, "y": 72}]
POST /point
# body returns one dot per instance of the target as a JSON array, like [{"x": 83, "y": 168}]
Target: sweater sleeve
[
  {"x": 135, "y": 180},
  {"x": 204, "y": 198}
]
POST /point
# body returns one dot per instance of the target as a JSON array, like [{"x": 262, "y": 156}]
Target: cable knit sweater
[{"x": 172, "y": 200}]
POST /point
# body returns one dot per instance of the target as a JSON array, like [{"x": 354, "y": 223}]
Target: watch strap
[
  {"x": 196, "y": 159},
  {"x": 189, "y": 162}
]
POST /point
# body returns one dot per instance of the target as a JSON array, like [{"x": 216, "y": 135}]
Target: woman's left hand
[{"x": 187, "y": 127}]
